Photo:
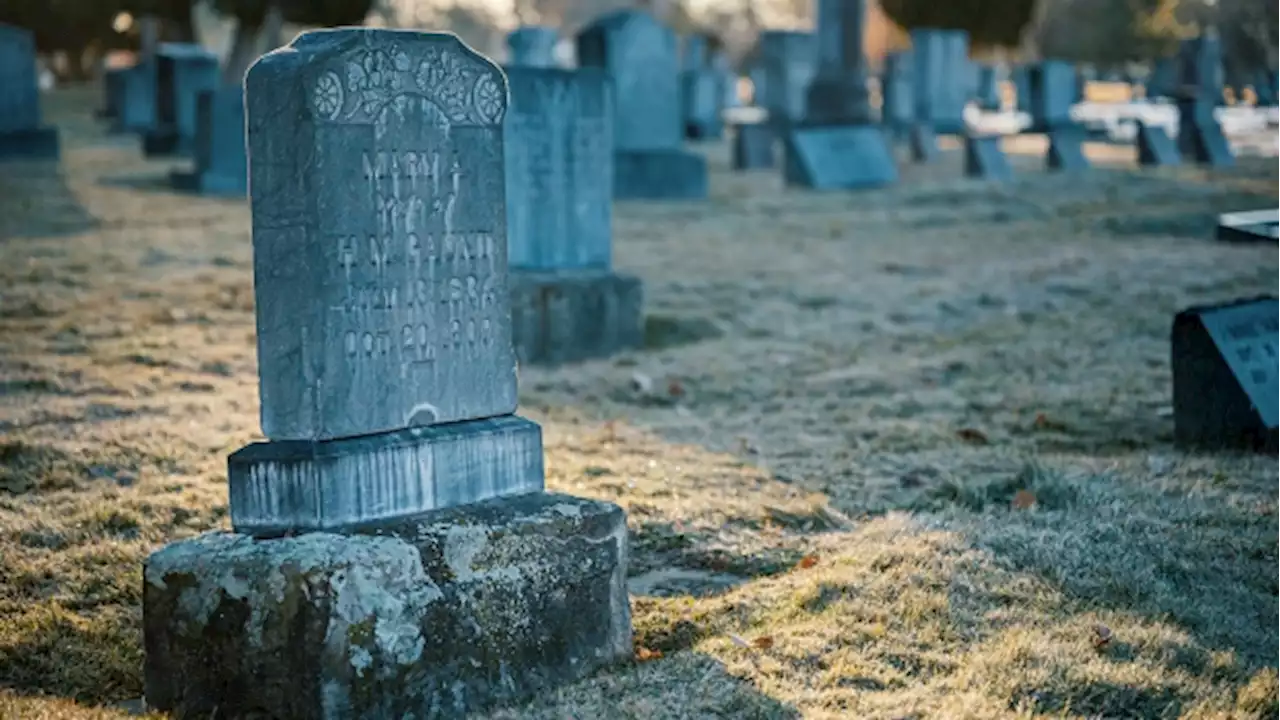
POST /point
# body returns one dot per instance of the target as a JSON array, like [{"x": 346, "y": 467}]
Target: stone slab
[
  {"x": 1066, "y": 149},
  {"x": 19, "y": 93},
  {"x": 1156, "y": 148},
  {"x": 839, "y": 157},
  {"x": 923, "y": 143},
  {"x": 301, "y": 485},
  {"x": 34, "y": 144},
  {"x": 437, "y": 616},
  {"x": 1225, "y": 387},
  {"x": 659, "y": 175},
  {"x": 1250, "y": 226},
  {"x": 572, "y": 315},
  {"x": 984, "y": 159},
  {"x": 701, "y": 97},
  {"x": 532, "y": 46},
  {"x": 379, "y": 233},
  {"x": 753, "y": 146},
  {"x": 112, "y": 92}
]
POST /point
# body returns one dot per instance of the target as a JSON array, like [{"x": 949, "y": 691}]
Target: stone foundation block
[
  {"x": 302, "y": 485},
  {"x": 208, "y": 183},
  {"x": 659, "y": 175},
  {"x": 35, "y": 144},
  {"x": 560, "y": 316},
  {"x": 447, "y": 613}
]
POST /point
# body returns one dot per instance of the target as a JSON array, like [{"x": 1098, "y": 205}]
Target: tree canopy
[{"x": 990, "y": 23}]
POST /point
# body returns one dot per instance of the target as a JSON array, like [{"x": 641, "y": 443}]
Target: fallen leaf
[
  {"x": 764, "y": 642},
  {"x": 644, "y": 654},
  {"x": 1023, "y": 500},
  {"x": 674, "y": 388},
  {"x": 807, "y": 562},
  {"x": 977, "y": 437},
  {"x": 1101, "y": 636}
]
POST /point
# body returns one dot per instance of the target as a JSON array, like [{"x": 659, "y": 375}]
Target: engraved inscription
[{"x": 1254, "y": 345}]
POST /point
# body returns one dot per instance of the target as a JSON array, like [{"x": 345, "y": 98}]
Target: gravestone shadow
[
  {"x": 36, "y": 201},
  {"x": 668, "y": 331}
]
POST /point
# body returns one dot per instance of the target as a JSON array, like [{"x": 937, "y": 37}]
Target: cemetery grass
[{"x": 903, "y": 454}]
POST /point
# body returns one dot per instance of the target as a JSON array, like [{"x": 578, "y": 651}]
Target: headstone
[
  {"x": 696, "y": 52},
  {"x": 137, "y": 111},
  {"x": 1066, "y": 149},
  {"x": 940, "y": 63},
  {"x": 897, "y": 108},
  {"x": 567, "y": 303},
  {"x": 1250, "y": 226},
  {"x": 1163, "y": 80},
  {"x": 1266, "y": 88},
  {"x": 1224, "y": 375},
  {"x": 752, "y": 146},
  {"x": 1155, "y": 147},
  {"x": 702, "y": 94},
  {"x": 984, "y": 159},
  {"x": 221, "y": 166},
  {"x": 21, "y": 132},
  {"x": 789, "y": 60},
  {"x": 113, "y": 79},
  {"x": 1199, "y": 71},
  {"x": 392, "y": 551},
  {"x": 532, "y": 46},
  {"x": 838, "y": 93},
  {"x": 1200, "y": 136},
  {"x": 723, "y": 66},
  {"x": 988, "y": 91},
  {"x": 923, "y": 143},
  {"x": 1053, "y": 92},
  {"x": 639, "y": 53},
  {"x": 1020, "y": 78},
  {"x": 839, "y": 157},
  {"x": 183, "y": 71}
]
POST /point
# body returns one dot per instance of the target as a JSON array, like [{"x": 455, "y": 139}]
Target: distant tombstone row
[
  {"x": 787, "y": 61},
  {"x": 22, "y": 135},
  {"x": 940, "y": 63},
  {"x": 532, "y": 46},
  {"x": 702, "y": 91},
  {"x": 183, "y": 72},
  {"x": 218, "y": 151}
]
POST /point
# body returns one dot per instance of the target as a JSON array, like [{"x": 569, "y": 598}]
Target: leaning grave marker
[
  {"x": 21, "y": 134},
  {"x": 393, "y": 551},
  {"x": 567, "y": 302}
]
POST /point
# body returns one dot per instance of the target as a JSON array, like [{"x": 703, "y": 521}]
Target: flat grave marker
[
  {"x": 1249, "y": 226},
  {"x": 753, "y": 146},
  {"x": 839, "y": 157}
]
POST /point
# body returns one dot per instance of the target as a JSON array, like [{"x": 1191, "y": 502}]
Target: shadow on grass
[
  {"x": 35, "y": 202},
  {"x": 666, "y": 331}
]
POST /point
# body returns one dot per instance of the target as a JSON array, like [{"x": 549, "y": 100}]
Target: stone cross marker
[
  {"x": 21, "y": 134},
  {"x": 393, "y": 552},
  {"x": 639, "y": 53},
  {"x": 532, "y": 46}
]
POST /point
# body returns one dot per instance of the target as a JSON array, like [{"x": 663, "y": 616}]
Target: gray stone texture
[
  {"x": 435, "y": 616},
  {"x": 21, "y": 132},
  {"x": 660, "y": 175},
  {"x": 572, "y": 315},
  {"x": 221, "y": 162},
  {"x": 532, "y": 46},
  {"x": 183, "y": 71},
  {"x": 559, "y": 168},
  {"x": 379, "y": 233},
  {"x": 300, "y": 485}
]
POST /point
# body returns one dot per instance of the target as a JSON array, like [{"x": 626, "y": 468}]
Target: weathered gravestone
[
  {"x": 137, "y": 109},
  {"x": 532, "y": 46},
  {"x": 1198, "y": 94},
  {"x": 988, "y": 90},
  {"x": 837, "y": 146},
  {"x": 940, "y": 64},
  {"x": 753, "y": 146},
  {"x": 897, "y": 103},
  {"x": 1052, "y": 88},
  {"x": 639, "y": 53},
  {"x": 567, "y": 302},
  {"x": 1155, "y": 147},
  {"x": 113, "y": 79},
  {"x": 1224, "y": 375},
  {"x": 984, "y": 159},
  {"x": 789, "y": 60},
  {"x": 21, "y": 134},
  {"x": 392, "y": 554},
  {"x": 221, "y": 166},
  {"x": 701, "y": 92},
  {"x": 1163, "y": 80},
  {"x": 1249, "y": 226},
  {"x": 1066, "y": 149},
  {"x": 1266, "y": 88},
  {"x": 1020, "y": 78},
  {"x": 183, "y": 71},
  {"x": 923, "y": 143}
]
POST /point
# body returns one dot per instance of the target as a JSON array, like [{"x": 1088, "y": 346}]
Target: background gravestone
[
  {"x": 984, "y": 158},
  {"x": 922, "y": 143},
  {"x": 183, "y": 71},
  {"x": 113, "y": 79},
  {"x": 1052, "y": 87},
  {"x": 702, "y": 91},
  {"x": 137, "y": 110},
  {"x": 839, "y": 157},
  {"x": 532, "y": 46},
  {"x": 988, "y": 88},
  {"x": 639, "y": 54},
  {"x": 1224, "y": 375},
  {"x": 1199, "y": 92},
  {"x": 380, "y": 272},
  {"x": 789, "y": 60},
  {"x": 940, "y": 64},
  {"x": 221, "y": 166},
  {"x": 1155, "y": 147},
  {"x": 897, "y": 103},
  {"x": 1066, "y": 149},
  {"x": 1249, "y": 226},
  {"x": 752, "y": 146},
  {"x": 21, "y": 134}
]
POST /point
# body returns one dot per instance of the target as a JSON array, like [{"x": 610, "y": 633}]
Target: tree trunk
[
  {"x": 244, "y": 50},
  {"x": 272, "y": 29}
]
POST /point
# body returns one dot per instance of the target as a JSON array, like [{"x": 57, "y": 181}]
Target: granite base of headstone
[
  {"x": 392, "y": 551},
  {"x": 1224, "y": 361},
  {"x": 1155, "y": 147},
  {"x": 659, "y": 175},
  {"x": 753, "y": 146},
  {"x": 923, "y": 143},
  {"x": 565, "y": 316},
  {"x": 1200, "y": 136},
  {"x": 985, "y": 159},
  {"x": 22, "y": 133},
  {"x": 220, "y": 163},
  {"x": 1249, "y": 227},
  {"x": 1066, "y": 149},
  {"x": 838, "y": 157}
]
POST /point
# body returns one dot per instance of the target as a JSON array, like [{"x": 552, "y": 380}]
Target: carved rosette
[{"x": 374, "y": 81}]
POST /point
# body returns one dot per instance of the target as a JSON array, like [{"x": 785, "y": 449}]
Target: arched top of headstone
[
  {"x": 532, "y": 32},
  {"x": 353, "y": 74}
]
